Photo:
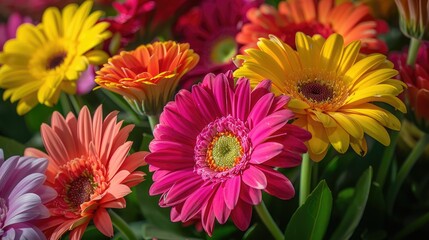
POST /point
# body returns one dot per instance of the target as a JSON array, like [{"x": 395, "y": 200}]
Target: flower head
[
  {"x": 210, "y": 29},
  {"x": 417, "y": 80},
  {"x": 216, "y": 147},
  {"x": 44, "y": 60},
  {"x": 22, "y": 195},
  {"x": 414, "y": 18},
  {"x": 90, "y": 168},
  {"x": 8, "y": 30},
  {"x": 353, "y": 22},
  {"x": 332, "y": 89},
  {"x": 148, "y": 76}
]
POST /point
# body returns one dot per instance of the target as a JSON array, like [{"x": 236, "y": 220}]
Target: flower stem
[
  {"x": 122, "y": 104},
  {"x": 413, "y": 226},
  {"x": 305, "y": 179},
  {"x": 386, "y": 160},
  {"x": 405, "y": 170},
  {"x": 74, "y": 102},
  {"x": 413, "y": 51},
  {"x": 265, "y": 216},
  {"x": 122, "y": 226},
  {"x": 153, "y": 120},
  {"x": 65, "y": 104}
]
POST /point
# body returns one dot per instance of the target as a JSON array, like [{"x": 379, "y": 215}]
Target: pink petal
[
  {"x": 254, "y": 177},
  {"x": 208, "y": 218},
  {"x": 260, "y": 110},
  {"x": 219, "y": 206},
  {"x": 54, "y": 145},
  {"x": 170, "y": 160},
  {"x": 231, "y": 191},
  {"x": 103, "y": 222},
  {"x": 180, "y": 191},
  {"x": 268, "y": 126},
  {"x": 115, "y": 192},
  {"x": 241, "y": 215},
  {"x": 265, "y": 151},
  {"x": 196, "y": 201},
  {"x": 84, "y": 129},
  {"x": 77, "y": 232},
  {"x": 166, "y": 181},
  {"x": 205, "y": 103},
  {"x": 250, "y": 195},
  {"x": 223, "y": 94},
  {"x": 278, "y": 185},
  {"x": 241, "y": 103}
]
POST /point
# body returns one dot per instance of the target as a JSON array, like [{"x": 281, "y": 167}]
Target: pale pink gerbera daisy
[
  {"x": 216, "y": 147},
  {"x": 90, "y": 168}
]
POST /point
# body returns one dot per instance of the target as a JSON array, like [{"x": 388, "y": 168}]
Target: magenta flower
[
  {"x": 22, "y": 195},
  {"x": 8, "y": 30},
  {"x": 210, "y": 29},
  {"x": 216, "y": 147}
]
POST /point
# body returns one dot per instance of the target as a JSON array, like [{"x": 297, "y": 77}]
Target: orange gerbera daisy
[
  {"x": 90, "y": 169},
  {"x": 148, "y": 76},
  {"x": 353, "y": 22}
]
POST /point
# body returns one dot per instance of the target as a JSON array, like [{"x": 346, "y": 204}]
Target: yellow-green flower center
[
  {"x": 223, "y": 50},
  {"x": 224, "y": 152}
]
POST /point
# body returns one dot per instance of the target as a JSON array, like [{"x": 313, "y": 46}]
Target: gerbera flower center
[
  {"x": 3, "y": 212},
  {"x": 79, "y": 191},
  {"x": 56, "y": 60},
  {"x": 224, "y": 152},
  {"x": 224, "y": 49},
  {"x": 77, "y": 183},
  {"x": 222, "y": 149},
  {"x": 316, "y": 91},
  {"x": 319, "y": 89}
]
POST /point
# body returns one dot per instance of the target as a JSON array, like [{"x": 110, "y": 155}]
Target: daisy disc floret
[
  {"x": 90, "y": 168},
  {"x": 22, "y": 195},
  {"x": 47, "y": 59},
  {"x": 216, "y": 149},
  {"x": 332, "y": 88},
  {"x": 148, "y": 76}
]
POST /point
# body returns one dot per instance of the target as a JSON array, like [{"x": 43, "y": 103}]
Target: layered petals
[{"x": 221, "y": 173}]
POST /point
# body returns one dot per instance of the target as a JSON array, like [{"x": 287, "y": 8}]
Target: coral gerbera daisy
[
  {"x": 324, "y": 17},
  {"x": 333, "y": 89},
  {"x": 22, "y": 195},
  {"x": 210, "y": 29},
  {"x": 148, "y": 76},
  {"x": 44, "y": 60},
  {"x": 216, "y": 147},
  {"x": 90, "y": 168}
]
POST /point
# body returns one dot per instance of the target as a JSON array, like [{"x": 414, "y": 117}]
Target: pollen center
[
  {"x": 316, "y": 91},
  {"x": 223, "y": 50},
  {"x": 79, "y": 191},
  {"x": 224, "y": 152},
  {"x": 56, "y": 60}
]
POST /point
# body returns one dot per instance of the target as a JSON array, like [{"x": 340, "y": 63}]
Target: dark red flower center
[
  {"x": 79, "y": 191},
  {"x": 316, "y": 91},
  {"x": 56, "y": 60}
]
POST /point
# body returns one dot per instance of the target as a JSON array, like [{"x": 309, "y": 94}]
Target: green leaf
[
  {"x": 311, "y": 219},
  {"x": 356, "y": 208},
  {"x": 11, "y": 147}
]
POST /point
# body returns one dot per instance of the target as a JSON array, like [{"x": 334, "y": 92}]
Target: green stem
[
  {"x": 413, "y": 51},
  {"x": 265, "y": 216},
  {"x": 74, "y": 102},
  {"x": 405, "y": 170},
  {"x": 305, "y": 179},
  {"x": 65, "y": 104},
  {"x": 123, "y": 105},
  {"x": 122, "y": 226},
  {"x": 153, "y": 120},
  {"x": 413, "y": 226},
  {"x": 386, "y": 160}
]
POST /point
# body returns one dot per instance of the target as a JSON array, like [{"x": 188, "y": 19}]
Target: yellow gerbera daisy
[
  {"x": 44, "y": 60},
  {"x": 332, "y": 89}
]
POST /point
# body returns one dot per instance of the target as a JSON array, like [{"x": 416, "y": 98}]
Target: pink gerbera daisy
[
  {"x": 216, "y": 147},
  {"x": 210, "y": 29},
  {"x": 90, "y": 168}
]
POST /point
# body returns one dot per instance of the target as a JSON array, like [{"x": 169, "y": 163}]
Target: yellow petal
[
  {"x": 331, "y": 52},
  {"x": 97, "y": 57},
  {"x": 373, "y": 128},
  {"x": 52, "y": 23},
  {"x": 339, "y": 138},
  {"x": 349, "y": 124}
]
